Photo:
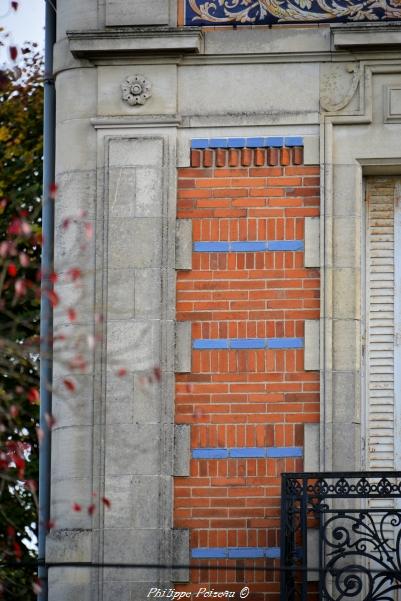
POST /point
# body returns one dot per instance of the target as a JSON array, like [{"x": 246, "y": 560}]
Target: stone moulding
[
  {"x": 266, "y": 12},
  {"x": 130, "y": 41}
]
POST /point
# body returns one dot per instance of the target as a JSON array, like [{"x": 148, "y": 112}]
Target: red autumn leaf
[
  {"x": 24, "y": 259},
  {"x": 65, "y": 223},
  {"x": 14, "y": 411},
  {"x": 59, "y": 338},
  {"x": 20, "y": 287},
  {"x": 53, "y": 277},
  {"x": 91, "y": 509},
  {"x": 12, "y": 270},
  {"x": 78, "y": 362},
  {"x": 74, "y": 273},
  {"x": 4, "y": 249},
  {"x": 33, "y": 396},
  {"x": 50, "y": 524},
  {"x": 88, "y": 230},
  {"x": 40, "y": 434},
  {"x": 76, "y": 507},
  {"x": 13, "y": 52},
  {"x": 69, "y": 384},
  {"x": 37, "y": 587},
  {"x": 17, "y": 550},
  {"x": 23, "y": 213},
  {"x": 50, "y": 420},
  {"x": 106, "y": 502},
  {"x": 26, "y": 228},
  {"x": 14, "y": 5},
  {"x": 31, "y": 485},
  {"x": 10, "y": 532},
  {"x": 53, "y": 190},
  {"x": 72, "y": 314},
  {"x": 14, "y": 229},
  {"x": 122, "y": 372},
  {"x": 53, "y": 297}
]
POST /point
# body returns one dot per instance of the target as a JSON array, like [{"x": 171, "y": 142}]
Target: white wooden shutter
[{"x": 380, "y": 314}]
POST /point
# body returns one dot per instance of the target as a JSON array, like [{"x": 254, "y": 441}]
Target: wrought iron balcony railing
[{"x": 341, "y": 536}]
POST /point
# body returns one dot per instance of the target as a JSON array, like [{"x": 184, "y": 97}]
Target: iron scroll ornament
[
  {"x": 363, "y": 558},
  {"x": 267, "y": 12}
]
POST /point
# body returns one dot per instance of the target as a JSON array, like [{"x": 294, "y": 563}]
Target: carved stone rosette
[{"x": 136, "y": 89}]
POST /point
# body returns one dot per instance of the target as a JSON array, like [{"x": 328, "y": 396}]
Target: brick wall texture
[{"x": 248, "y": 397}]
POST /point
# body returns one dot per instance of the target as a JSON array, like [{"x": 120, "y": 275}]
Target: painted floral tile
[{"x": 266, "y": 12}]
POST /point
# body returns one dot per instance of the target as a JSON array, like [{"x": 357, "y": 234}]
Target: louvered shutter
[{"x": 381, "y": 310}]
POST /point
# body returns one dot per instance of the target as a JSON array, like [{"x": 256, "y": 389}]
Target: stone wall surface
[{"x": 137, "y": 99}]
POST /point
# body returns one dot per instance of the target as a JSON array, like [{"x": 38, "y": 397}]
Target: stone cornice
[
  {"x": 128, "y": 41},
  {"x": 368, "y": 36}
]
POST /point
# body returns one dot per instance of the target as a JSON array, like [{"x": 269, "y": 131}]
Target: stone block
[
  {"x": 181, "y": 555},
  {"x": 347, "y": 201},
  {"x": 147, "y": 399},
  {"x": 133, "y": 345},
  {"x": 346, "y": 447},
  {"x": 148, "y": 288},
  {"x": 71, "y": 452},
  {"x": 312, "y": 242},
  {"x": 76, "y": 192},
  {"x": 313, "y": 543},
  {"x": 137, "y": 12},
  {"x": 70, "y": 583},
  {"x": 132, "y": 449},
  {"x": 312, "y": 447},
  {"x": 183, "y": 244},
  {"x": 120, "y": 294},
  {"x": 311, "y": 150},
  {"x": 73, "y": 248},
  {"x": 182, "y": 451},
  {"x": 347, "y": 293},
  {"x": 135, "y": 243},
  {"x": 131, "y": 546},
  {"x": 68, "y": 83},
  {"x": 75, "y": 146},
  {"x": 162, "y": 79},
  {"x": 113, "y": 591},
  {"x": 148, "y": 197},
  {"x": 237, "y": 89},
  {"x": 122, "y": 182},
  {"x": 72, "y": 14},
  {"x": 119, "y": 398},
  {"x": 346, "y": 392},
  {"x": 73, "y": 408},
  {"x": 347, "y": 241},
  {"x": 130, "y": 506},
  {"x": 345, "y": 357},
  {"x": 255, "y": 41},
  {"x": 64, "y": 493},
  {"x": 69, "y": 545},
  {"x": 312, "y": 345},
  {"x": 78, "y": 295},
  {"x": 183, "y": 346},
  {"x": 135, "y": 152}
]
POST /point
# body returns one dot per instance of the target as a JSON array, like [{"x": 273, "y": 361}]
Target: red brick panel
[{"x": 244, "y": 398}]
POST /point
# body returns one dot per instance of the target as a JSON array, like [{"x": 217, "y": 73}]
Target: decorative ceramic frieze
[
  {"x": 136, "y": 89},
  {"x": 263, "y": 12}
]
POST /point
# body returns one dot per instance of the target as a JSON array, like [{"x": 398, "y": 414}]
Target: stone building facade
[{"x": 239, "y": 164}]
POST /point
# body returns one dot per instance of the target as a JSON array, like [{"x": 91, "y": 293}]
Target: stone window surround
[{"x": 341, "y": 429}]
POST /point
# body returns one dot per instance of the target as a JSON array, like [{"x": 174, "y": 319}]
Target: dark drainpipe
[{"x": 46, "y": 312}]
